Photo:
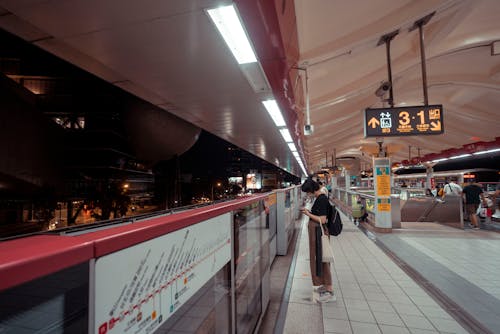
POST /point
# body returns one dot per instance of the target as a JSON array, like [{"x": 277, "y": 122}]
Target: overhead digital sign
[{"x": 404, "y": 121}]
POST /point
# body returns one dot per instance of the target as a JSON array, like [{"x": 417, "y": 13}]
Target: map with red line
[{"x": 140, "y": 287}]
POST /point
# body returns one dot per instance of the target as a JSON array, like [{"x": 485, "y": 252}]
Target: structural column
[{"x": 382, "y": 185}]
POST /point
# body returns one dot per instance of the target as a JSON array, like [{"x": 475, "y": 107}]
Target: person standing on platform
[
  {"x": 452, "y": 189},
  {"x": 473, "y": 197},
  {"x": 358, "y": 212},
  {"x": 496, "y": 199},
  {"x": 320, "y": 271}
]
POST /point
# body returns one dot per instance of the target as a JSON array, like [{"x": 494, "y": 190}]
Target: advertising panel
[{"x": 254, "y": 181}]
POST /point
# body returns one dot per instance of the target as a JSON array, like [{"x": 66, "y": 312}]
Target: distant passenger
[
  {"x": 323, "y": 189},
  {"x": 452, "y": 189},
  {"x": 429, "y": 193},
  {"x": 473, "y": 197},
  {"x": 320, "y": 271},
  {"x": 497, "y": 202},
  {"x": 358, "y": 212}
]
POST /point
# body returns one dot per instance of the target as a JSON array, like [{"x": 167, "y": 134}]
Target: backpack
[{"x": 333, "y": 223}]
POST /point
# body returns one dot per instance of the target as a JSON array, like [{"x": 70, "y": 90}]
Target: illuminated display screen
[{"x": 404, "y": 121}]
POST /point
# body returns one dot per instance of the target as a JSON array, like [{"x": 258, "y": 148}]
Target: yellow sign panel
[
  {"x": 383, "y": 185},
  {"x": 383, "y": 181},
  {"x": 384, "y": 207},
  {"x": 384, "y": 204}
]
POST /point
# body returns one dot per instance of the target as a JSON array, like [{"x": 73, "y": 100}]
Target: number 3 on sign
[{"x": 404, "y": 118}]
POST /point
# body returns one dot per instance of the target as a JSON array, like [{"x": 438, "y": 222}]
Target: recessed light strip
[
  {"x": 488, "y": 151},
  {"x": 275, "y": 113},
  {"x": 229, "y": 25}
]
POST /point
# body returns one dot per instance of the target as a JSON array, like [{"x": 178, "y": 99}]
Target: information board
[
  {"x": 382, "y": 185},
  {"x": 138, "y": 288},
  {"x": 404, "y": 121},
  {"x": 383, "y": 181}
]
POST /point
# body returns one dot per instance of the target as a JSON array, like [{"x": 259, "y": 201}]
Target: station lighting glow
[
  {"x": 274, "y": 111},
  {"x": 439, "y": 160},
  {"x": 460, "y": 156},
  {"x": 229, "y": 25},
  {"x": 286, "y": 135},
  {"x": 292, "y": 147},
  {"x": 488, "y": 151}
]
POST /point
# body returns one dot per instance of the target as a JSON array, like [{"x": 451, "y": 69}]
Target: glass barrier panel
[
  {"x": 207, "y": 311},
  {"x": 251, "y": 248},
  {"x": 56, "y": 303}
]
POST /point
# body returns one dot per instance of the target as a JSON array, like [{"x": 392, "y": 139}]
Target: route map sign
[
  {"x": 404, "y": 121},
  {"x": 138, "y": 288}
]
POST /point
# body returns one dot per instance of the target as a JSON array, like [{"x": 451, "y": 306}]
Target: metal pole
[
  {"x": 387, "y": 38},
  {"x": 389, "y": 71},
  {"x": 308, "y": 117},
  {"x": 422, "y": 57},
  {"x": 419, "y": 24}
]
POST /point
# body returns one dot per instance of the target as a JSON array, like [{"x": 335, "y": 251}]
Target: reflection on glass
[
  {"x": 288, "y": 201},
  {"x": 208, "y": 311},
  {"x": 56, "y": 303},
  {"x": 251, "y": 260}
]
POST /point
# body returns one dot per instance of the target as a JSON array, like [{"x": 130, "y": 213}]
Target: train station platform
[{"x": 422, "y": 278}]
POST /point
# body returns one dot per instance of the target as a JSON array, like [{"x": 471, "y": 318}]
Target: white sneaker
[
  {"x": 327, "y": 296},
  {"x": 319, "y": 288}
]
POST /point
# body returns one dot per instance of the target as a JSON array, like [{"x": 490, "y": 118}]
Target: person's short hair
[{"x": 309, "y": 186}]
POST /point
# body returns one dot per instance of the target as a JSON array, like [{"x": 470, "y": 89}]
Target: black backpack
[{"x": 333, "y": 223}]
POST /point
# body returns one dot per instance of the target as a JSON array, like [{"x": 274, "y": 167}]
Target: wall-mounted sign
[
  {"x": 138, "y": 288},
  {"x": 404, "y": 121},
  {"x": 383, "y": 181},
  {"x": 382, "y": 186}
]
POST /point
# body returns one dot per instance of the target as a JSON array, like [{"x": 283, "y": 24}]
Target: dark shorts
[{"x": 471, "y": 208}]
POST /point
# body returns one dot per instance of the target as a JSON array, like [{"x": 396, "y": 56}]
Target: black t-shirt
[
  {"x": 320, "y": 206},
  {"x": 472, "y": 193}
]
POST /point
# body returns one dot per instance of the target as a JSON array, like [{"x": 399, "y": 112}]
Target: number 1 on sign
[{"x": 422, "y": 116}]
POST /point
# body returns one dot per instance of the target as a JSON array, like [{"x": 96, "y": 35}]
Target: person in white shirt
[{"x": 451, "y": 188}]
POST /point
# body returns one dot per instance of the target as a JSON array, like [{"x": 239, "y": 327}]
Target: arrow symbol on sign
[
  {"x": 436, "y": 126},
  {"x": 373, "y": 122}
]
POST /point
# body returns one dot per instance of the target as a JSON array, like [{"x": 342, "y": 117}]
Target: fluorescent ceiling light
[
  {"x": 488, "y": 151},
  {"x": 439, "y": 160},
  {"x": 286, "y": 135},
  {"x": 292, "y": 147},
  {"x": 460, "y": 156},
  {"x": 273, "y": 110},
  {"x": 229, "y": 25}
]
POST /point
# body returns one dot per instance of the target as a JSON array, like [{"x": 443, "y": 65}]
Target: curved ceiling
[
  {"x": 345, "y": 67},
  {"x": 170, "y": 54}
]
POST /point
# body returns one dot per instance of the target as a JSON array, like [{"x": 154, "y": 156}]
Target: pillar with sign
[{"x": 382, "y": 186}]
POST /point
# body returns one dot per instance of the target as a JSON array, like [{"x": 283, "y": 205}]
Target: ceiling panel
[{"x": 169, "y": 53}]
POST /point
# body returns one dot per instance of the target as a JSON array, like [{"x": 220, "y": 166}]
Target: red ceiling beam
[{"x": 273, "y": 32}]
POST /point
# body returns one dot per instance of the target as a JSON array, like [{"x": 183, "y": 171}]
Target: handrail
[{"x": 25, "y": 259}]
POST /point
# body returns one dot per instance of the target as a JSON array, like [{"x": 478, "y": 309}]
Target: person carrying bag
[
  {"x": 320, "y": 270},
  {"x": 326, "y": 248}
]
